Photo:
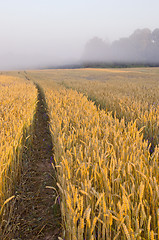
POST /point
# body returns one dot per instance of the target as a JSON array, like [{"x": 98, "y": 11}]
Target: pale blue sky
[{"x": 45, "y": 31}]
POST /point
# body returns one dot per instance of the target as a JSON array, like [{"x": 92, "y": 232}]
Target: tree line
[{"x": 140, "y": 48}]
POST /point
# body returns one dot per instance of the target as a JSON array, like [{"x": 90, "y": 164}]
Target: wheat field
[
  {"x": 126, "y": 94},
  {"x": 105, "y": 132},
  {"x": 107, "y": 176},
  {"x": 17, "y": 106}
]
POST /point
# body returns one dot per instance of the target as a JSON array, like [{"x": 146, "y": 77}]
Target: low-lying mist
[{"x": 142, "y": 47}]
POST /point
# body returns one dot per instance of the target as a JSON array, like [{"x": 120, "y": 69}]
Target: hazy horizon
[{"x": 43, "y": 33}]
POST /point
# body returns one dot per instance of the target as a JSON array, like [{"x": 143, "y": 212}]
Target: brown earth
[{"x": 36, "y": 209}]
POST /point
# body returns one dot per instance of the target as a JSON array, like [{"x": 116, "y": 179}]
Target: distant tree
[
  {"x": 155, "y": 36},
  {"x": 154, "y": 50},
  {"x": 95, "y": 50},
  {"x": 141, "y": 37},
  {"x": 122, "y": 50}
]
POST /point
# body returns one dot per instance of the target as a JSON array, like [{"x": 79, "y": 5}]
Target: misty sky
[{"x": 44, "y": 32}]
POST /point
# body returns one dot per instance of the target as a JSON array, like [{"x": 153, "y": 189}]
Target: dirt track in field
[{"x": 37, "y": 215}]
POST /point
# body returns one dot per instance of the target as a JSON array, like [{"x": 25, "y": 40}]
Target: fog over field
[
  {"x": 47, "y": 33},
  {"x": 142, "y": 46}
]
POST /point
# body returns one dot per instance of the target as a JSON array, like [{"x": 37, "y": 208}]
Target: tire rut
[{"x": 37, "y": 212}]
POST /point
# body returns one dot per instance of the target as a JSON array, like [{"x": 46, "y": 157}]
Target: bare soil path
[{"x": 37, "y": 215}]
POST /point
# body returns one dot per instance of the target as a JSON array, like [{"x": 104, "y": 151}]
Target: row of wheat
[
  {"x": 107, "y": 178},
  {"x": 132, "y": 97},
  {"x": 17, "y": 105}
]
